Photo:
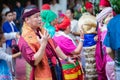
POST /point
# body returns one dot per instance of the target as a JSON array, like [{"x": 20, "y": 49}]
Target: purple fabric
[
  {"x": 49, "y": 50},
  {"x": 100, "y": 59},
  {"x": 66, "y": 45},
  {"x": 28, "y": 54},
  {"x": 29, "y": 13}
]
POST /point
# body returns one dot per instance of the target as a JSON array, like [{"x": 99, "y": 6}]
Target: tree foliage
[{"x": 115, "y": 4}]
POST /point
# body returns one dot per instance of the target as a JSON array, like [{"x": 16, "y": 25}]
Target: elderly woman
[
  {"x": 68, "y": 46},
  {"x": 105, "y": 63}
]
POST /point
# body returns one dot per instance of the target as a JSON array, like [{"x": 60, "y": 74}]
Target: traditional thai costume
[
  {"x": 67, "y": 45},
  {"x": 103, "y": 59},
  {"x": 88, "y": 24},
  {"x": 29, "y": 45}
]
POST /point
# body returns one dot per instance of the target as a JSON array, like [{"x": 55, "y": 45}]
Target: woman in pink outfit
[{"x": 105, "y": 68}]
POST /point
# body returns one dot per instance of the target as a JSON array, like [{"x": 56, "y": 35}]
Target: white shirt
[
  {"x": 5, "y": 56},
  {"x": 74, "y": 25}
]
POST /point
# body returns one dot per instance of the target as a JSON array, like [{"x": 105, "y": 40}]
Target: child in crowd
[{"x": 5, "y": 73}]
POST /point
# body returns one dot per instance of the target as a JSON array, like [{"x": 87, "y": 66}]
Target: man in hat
[{"x": 37, "y": 47}]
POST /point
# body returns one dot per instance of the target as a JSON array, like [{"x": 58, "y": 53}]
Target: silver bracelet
[{"x": 81, "y": 40}]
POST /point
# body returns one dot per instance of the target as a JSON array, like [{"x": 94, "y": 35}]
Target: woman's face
[
  {"x": 35, "y": 20},
  {"x": 68, "y": 13}
]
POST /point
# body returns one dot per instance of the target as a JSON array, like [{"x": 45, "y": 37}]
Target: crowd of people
[{"x": 56, "y": 46}]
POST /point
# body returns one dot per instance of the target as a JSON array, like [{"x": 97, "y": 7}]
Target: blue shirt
[
  {"x": 6, "y": 28},
  {"x": 112, "y": 38},
  {"x": 89, "y": 40}
]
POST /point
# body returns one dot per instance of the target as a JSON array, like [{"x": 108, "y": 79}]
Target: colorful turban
[
  {"x": 88, "y": 5},
  {"x": 45, "y": 7},
  {"x": 64, "y": 23},
  {"x": 104, "y": 13},
  {"x": 47, "y": 17},
  {"x": 29, "y": 12},
  {"x": 104, "y": 3}
]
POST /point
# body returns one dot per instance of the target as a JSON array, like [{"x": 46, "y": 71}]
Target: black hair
[
  {"x": 5, "y": 3},
  {"x": 1, "y": 35},
  {"x": 8, "y": 12}
]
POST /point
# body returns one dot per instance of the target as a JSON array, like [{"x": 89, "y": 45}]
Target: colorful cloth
[
  {"x": 47, "y": 17},
  {"x": 68, "y": 46},
  {"x": 70, "y": 71},
  {"x": 90, "y": 64},
  {"x": 29, "y": 45},
  {"x": 100, "y": 58},
  {"x": 49, "y": 66},
  {"x": 103, "y": 14}
]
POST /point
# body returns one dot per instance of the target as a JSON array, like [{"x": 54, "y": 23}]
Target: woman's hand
[
  {"x": 69, "y": 60},
  {"x": 96, "y": 38},
  {"x": 17, "y": 35},
  {"x": 81, "y": 34}
]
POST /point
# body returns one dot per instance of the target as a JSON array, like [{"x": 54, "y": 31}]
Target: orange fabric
[{"x": 42, "y": 71}]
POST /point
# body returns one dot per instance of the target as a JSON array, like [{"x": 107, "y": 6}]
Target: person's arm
[
  {"x": 11, "y": 35},
  {"x": 39, "y": 54},
  {"x": 60, "y": 53},
  {"x": 5, "y": 56},
  {"x": 79, "y": 48},
  {"x": 63, "y": 56},
  {"x": 80, "y": 45},
  {"x": 16, "y": 55},
  {"x": 76, "y": 33}
]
